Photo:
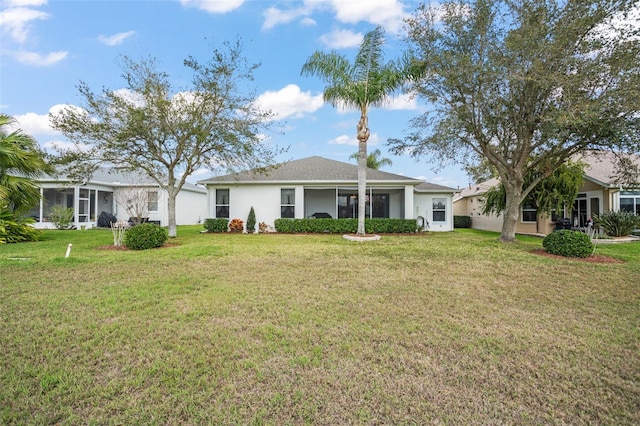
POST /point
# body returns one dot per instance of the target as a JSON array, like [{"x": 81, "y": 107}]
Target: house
[
  {"x": 599, "y": 193},
  {"x": 101, "y": 193},
  {"x": 319, "y": 187}
]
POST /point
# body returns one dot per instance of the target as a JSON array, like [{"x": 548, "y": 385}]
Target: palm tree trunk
[{"x": 363, "y": 136}]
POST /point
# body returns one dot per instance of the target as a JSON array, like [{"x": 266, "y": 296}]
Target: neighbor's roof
[
  {"x": 601, "y": 165},
  {"x": 477, "y": 189},
  {"x": 111, "y": 176},
  {"x": 311, "y": 170}
]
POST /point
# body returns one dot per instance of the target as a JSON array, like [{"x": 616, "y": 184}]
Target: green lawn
[{"x": 450, "y": 328}]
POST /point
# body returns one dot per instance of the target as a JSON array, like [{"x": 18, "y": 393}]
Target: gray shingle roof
[
  {"x": 433, "y": 187},
  {"x": 601, "y": 165},
  {"x": 311, "y": 169},
  {"x": 112, "y": 176}
]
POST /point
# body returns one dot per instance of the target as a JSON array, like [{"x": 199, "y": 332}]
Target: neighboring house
[
  {"x": 599, "y": 193},
  {"x": 319, "y": 187},
  {"x": 100, "y": 194}
]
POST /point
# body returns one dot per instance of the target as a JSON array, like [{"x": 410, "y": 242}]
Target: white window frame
[
  {"x": 290, "y": 204},
  {"x": 435, "y": 204},
  {"x": 222, "y": 202},
  {"x": 151, "y": 201},
  {"x": 528, "y": 209}
]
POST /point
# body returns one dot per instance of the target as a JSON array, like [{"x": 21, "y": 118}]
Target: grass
[{"x": 280, "y": 329}]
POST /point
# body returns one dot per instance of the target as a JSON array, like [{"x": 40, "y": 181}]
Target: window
[
  {"x": 529, "y": 212},
  {"x": 222, "y": 203},
  {"x": 439, "y": 209},
  {"x": 630, "y": 201},
  {"x": 288, "y": 203},
  {"x": 152, "y": 201}
]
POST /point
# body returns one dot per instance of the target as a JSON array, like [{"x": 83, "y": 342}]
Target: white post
[{"x": 68, "y": 250}]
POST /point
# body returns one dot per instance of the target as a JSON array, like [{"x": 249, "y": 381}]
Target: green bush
[
  {"x": 568, "y": 243},
  {"x": 617, "y": 224},
  {"x": 61, "y": 217},
  {"x": 462, "y": 221},
  {"x": 145, "y": 236},
  {"x": 216, "y": 224},
  {"x": 251, "y": 221},
  {"x": 16, "y": 229},
  {"x": 344, "y": 226}
]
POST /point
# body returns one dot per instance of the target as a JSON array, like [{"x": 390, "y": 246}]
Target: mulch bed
[
  {"x": 594, "y": 258},
  {"x": 123, "y": 248}
]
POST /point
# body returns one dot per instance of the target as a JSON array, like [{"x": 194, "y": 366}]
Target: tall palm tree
[
  {"x": 366, "y": 82},
  {"x": 20, "y": 161},
  {"x": 373, "y": 159}
]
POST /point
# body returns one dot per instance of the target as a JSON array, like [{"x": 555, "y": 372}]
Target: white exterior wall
[
  {"x": 265, "y": 200},
  {"x": 191, "y": 208},
  {"x": 409, "y": 200},
  {"x": 423, "y": 206}
]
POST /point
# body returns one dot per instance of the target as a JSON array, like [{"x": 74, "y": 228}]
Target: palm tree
[
  {"x": 365, "y": 83},
  {"x": 20, "y": 161},
  {"x": 373, "y": 160}
]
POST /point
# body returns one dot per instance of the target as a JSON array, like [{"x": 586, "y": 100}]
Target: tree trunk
[
  {"x": 511, "y": 212},
  {"x": 363, "y": 136},
  {"x": 171, "y": 200}
]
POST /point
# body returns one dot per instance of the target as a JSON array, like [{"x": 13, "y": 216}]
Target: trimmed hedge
[
  {"x": 462, "y": 221},
  {"x": 145, "y": 236},
  {"x": 568, "y": 243},
  {"x": 216, "y": 225},
  {"x": 345, "y": 226}
]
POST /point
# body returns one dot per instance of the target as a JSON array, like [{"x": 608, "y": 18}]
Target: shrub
[
  {"x": 16, "y": 229},
  {"x": 236, "y": 225},
  {"x": 462, "y": 221},
  {"x": 61, "y": 217},
  {"x": 568, "y": 243},
  {"x": 344, "y": 226},
  {"x": 145, "y": 236},
  {"x": 251, "y": 221},
  {"x": 617, "y": 224},
  {"x": 216, "y": 224}
]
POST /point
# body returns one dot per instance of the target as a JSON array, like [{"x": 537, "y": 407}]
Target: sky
[{"x": 48, "y": 47}]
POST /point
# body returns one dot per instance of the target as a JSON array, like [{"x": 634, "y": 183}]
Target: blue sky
[{"x": 48, "y": 47}]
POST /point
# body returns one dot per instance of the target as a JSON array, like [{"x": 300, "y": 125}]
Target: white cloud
[
  {"x": 129, "y": 96},
  {"x": 308, "y": 22},
  {"x": 115, "y": 39},
  {"x": 24, "y": 3},
  {"x": 16, "y": 21},
  {"x": 274, "y": 16},
  {"x": 290, "y": 101},
  {"x": 38, "y": 59},
  {"x": 32, "y": 123},
  {"x": 619, "y": 24},
  {"x": 213, "y": 6},
  {"x": 387, "y": 13},
  {"x": 402, "y": 102},
  {"x": 374, "y": 139},
  {"x": 344, "y": 140},
  {"x": 341, "y": 39}
]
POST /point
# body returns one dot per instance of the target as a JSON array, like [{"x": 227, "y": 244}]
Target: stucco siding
[
  {"x": 191, "y": 208},
  {"x": 424, "y": 207}
]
